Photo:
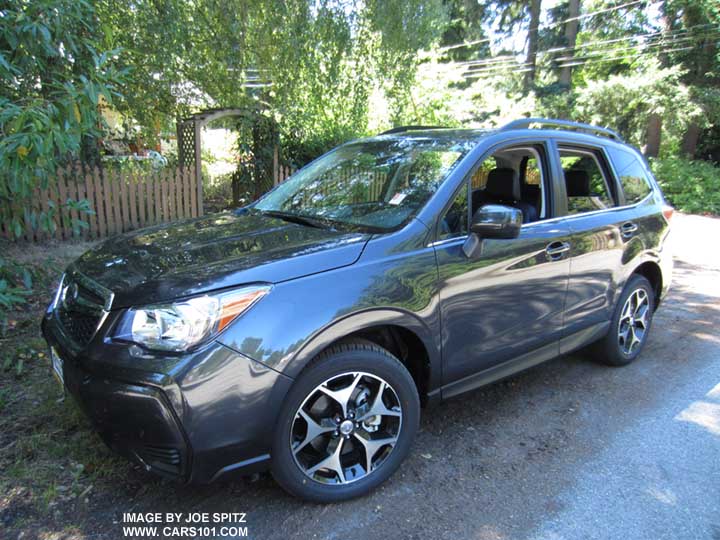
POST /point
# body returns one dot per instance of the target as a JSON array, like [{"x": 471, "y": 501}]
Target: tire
[
  {"x": 625, "y": 338},
  {"x": 331, "y": 465}
]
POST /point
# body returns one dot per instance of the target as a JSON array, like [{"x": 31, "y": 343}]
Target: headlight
[{"x": 181, "y": 325}]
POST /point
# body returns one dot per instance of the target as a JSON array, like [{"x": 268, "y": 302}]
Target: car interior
[
  {"x": 511, "y": 177},
  {"x": 585, "y": 182}
]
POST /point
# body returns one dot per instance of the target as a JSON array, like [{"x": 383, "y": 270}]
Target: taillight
[{"x": 668, "y": 212}]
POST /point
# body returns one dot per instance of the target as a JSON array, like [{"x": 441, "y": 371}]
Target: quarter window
[
  {"x": 633, "y": 177},
  {"x": 586, "y": 184}
]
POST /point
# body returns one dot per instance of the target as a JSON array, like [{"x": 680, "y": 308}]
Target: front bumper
[{"x": 202, "y": 416}]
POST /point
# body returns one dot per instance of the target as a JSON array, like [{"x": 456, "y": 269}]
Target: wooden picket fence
[
  {"x": 121, "y": 201},
  {"x": 281, "y": 173}
]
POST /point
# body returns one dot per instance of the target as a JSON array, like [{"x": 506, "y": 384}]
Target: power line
[
  {"x": 505, "y": 61},
  {"x": 655, "y": 49},
  {"x": 588, "y": 15},
  {"x": 521, "y": 69},
  {"x": 553, "y": 25},
  {"x": 675, "y": 36},
  {"x": 651, "y": 35},
  {"x": 649, "y": 46},
  {"x": 636, "y": 55}
]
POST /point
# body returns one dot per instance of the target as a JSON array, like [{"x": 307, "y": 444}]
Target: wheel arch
[
  {"x": 399, "y": 332},
  {"x": 651, "y": 271}
]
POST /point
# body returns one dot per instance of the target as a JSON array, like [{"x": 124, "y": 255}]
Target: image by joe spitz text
[{"x": 197, "y": 525}]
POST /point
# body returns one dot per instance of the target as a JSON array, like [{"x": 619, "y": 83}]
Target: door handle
[
  {"x": 628, "y": 229},
  {"x": 555, "y": 250}
]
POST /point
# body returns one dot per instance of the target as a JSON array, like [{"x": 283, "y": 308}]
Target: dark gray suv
[{"x": 304, "y": 332}]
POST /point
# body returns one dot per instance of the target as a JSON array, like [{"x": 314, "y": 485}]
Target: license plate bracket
[{"x": 57, "y": 367}]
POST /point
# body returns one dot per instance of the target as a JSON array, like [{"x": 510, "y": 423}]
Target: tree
[
  {"x": 532, "y": 46},
  {"x": 639, "y": 104},
  {"x": 695, "y": 22},
  {"x": 571, "y": 30},
  {"x": 465, "y": 18},
  {"x": 314, "y": 63},
  {"x": 52, "y": 73}
]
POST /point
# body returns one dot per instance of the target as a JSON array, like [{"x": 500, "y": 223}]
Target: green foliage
[
  {"x": 625, "y": 101},
  {"x": 52, "y": 76},
  {"x": 16, "y": 284},
  {"x": 690, "y": 186},
  {"x": 323, "y": 60}
]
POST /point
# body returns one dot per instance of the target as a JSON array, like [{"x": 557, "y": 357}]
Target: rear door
[
  {"x": 640, "y": 193},
  {"x": 603, "y": 235},
  {"x": 509, "y": 300}
]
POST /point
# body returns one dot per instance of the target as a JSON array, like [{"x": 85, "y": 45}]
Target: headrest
[
  {"x": 577, "y": 183},
  {"x": 503, "y": 183}
]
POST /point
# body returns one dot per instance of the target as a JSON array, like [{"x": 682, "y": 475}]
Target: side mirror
[
  {"x": 492, "y": 221},
  {"x": 497, "y": 221}
]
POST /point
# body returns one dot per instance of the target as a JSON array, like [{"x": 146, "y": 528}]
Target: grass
[{"x": 49, "y": 456}]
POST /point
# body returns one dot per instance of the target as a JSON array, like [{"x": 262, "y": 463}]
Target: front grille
[
  {"x": 164, "y": 458},
  {"x": 80, "y": 306},
  {"x": 80, "y": 327}
]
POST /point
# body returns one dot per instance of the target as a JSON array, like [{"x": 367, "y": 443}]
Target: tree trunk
[
  {"x": 571, "y": 31},
  {"x": 690, "y": 141},
  {"x": 652, "y": 136},
  {"x": 668, "y": 16},
  {"x": 535, "y": 6}
]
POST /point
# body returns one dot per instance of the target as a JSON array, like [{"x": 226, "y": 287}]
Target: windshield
[{"x": 376, "y": 184}]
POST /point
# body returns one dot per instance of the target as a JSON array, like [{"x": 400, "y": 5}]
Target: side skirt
[{"x": 547, "y": 352}]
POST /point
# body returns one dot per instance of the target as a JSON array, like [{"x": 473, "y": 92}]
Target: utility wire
[
  {"x": 675, "y": 36},
  {"x": 553, "y": 25},
  {"x": 521, "y": 69},
  {"x": 588, "y": 15},
  {"x": 649, "y": 46},
  {"x": 581, "y": 60}
]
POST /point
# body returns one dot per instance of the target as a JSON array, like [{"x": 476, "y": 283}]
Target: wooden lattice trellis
[{"x": 189, "y": 138}]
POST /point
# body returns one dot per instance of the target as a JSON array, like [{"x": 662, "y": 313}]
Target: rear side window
[
  {"x": 585, "y": 182},
  {"x": 633, "y": 178}
]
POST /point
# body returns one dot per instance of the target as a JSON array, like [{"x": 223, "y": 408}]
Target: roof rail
[
  {"x": 524, "y": 123},
  {"x": 402, "y": 129}
]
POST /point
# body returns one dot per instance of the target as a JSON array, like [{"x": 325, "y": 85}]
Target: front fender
[
  {"x": 366, "y": 320},
  {"x": 394, "y": 283}
]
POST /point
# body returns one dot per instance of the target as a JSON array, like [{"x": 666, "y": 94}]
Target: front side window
[
  {"x": 376, "y": 184},
  {"x": 633, "y": 177},
  {"x": 511, "y": 177},
  {"x": 585, "y": 182}
]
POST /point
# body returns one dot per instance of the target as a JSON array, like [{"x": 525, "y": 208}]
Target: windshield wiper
[{"x": 297, "y": 218}]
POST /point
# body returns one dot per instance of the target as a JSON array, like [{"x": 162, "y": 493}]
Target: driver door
[{"x": 507, "y": 302}]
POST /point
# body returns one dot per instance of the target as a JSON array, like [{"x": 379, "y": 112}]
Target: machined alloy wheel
[
  {"x": 346, "y": 428},
  {"x": 633, "y": 323},
  {"x": 630, "y": 324},
  {"x": 346, "y": 424}
]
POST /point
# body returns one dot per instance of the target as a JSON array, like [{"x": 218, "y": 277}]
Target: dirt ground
[{"x": 568, "y": 450}]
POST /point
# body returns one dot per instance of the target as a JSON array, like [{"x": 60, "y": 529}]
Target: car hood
[{"x": 213, "y": 252}]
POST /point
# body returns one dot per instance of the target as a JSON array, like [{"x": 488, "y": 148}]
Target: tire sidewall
[{"x": 371, "y": 361}]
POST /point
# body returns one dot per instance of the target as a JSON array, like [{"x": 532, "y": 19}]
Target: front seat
[{"x": 503, "y": 187}]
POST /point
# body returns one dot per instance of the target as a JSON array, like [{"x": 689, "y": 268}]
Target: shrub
[
  {"x": 690, "y": 186},
  {"x": 16, "y": 283}
]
